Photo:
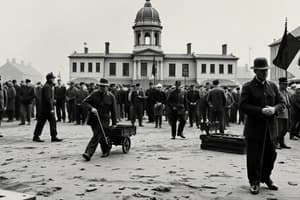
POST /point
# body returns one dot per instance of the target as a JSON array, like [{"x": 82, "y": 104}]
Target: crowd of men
[
  {"x": 268, "y": 111},
  {"x": 193, "y": 104}
]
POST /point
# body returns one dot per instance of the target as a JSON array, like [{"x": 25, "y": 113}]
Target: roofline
[{"x": 279, "y": 41}]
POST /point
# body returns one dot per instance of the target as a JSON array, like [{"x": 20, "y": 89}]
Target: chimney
[
  {"x": 189, "y": 48},
  {"x": 86, "y": 50},
  {"x": 224, "y": 49},
  {"x": 106, "y": 48}
]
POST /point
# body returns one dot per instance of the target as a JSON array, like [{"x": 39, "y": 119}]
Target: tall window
[
  {"x": 74, "y": 67},
  {"x": 144, "y": 69},
  {"x": 81, "y": 67},
  {"x": 185, "y": 70},
  {"x": 97, "y": 67},
  {"x": 230, "y": 69},
  {"x": 90, "y": 67},
  {"x": 203, "y": 68},
  {"x": 172, "y": 70},
  {"x": 147, "y": 39},
  {"x": 125, "y": 69},
  {"x": 212, "y": 68},
  {"x": 221, "y": 69},
  {"x": 112, "y": 69}
]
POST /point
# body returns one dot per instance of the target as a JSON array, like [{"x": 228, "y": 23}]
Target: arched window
[{"x": 147, "y": 39}]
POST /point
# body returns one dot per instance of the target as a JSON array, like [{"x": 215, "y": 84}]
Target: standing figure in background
[
  {"x": 70, "y": 97},
  {"x": 193, "y": 97},
  {"x": 17, "y": 100},
  {"x": 284, "y": 114},
  {"x": 27, "y": 97},
  {"x": 236, "y": 105},
  {"x": 3, "y": 100},
  {"x": 136, "y": 98},
  {"x": 81, "y": 111},
  {"x": 177, "y": 108},
  {"x": 11, "y": 96},
  {"x": 216, "y": 100},
  {"x": 38, "y": 96},
  {"x": 228, "y": 106},
  {"x": 295, "y": 114},
  {"x": 160, "y": 101},
  {"x": 150, "y": 102},
  {"x": 60, "y": 101}
]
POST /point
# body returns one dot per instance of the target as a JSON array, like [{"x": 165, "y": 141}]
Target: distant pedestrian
[
  {"x": 177, "y": 108},
  {"x": 71, "y": 105},
  {"x": 60, "y": 101},
  {"x": 3, "y": 100},
  {"x": 47, "y": 111},
  {"x": 27, "y": 96},
  {"x": 160, "y": 101},
  {"x": 11, "y": 96}
]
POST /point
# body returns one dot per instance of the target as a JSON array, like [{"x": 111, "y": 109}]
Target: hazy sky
[{"x": 46, "y": 32}]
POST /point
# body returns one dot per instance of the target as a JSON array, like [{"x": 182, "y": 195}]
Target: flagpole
[{"x": 286, "y": 23}]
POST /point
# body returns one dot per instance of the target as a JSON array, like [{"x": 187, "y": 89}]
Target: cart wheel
[{"x": 126, "y": 145}]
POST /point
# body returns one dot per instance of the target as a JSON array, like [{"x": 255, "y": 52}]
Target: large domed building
[{"x": 148, "y": 62}]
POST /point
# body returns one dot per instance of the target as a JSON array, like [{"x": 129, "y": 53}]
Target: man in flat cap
[
  {"x": 284, "y": 114},
  {"x": 46, "y": 111},
  {"x": 261, "y": 101},
  {"x": 102, "y": 106}
]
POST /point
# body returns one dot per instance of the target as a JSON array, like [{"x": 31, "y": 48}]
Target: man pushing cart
[{"x": 102, "y": 107}]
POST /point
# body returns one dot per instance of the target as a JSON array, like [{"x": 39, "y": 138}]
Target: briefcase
[{"x": 224, "y": 143}]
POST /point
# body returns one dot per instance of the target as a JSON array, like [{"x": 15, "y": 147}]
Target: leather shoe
[
  {"x": 172, "y": 138},
  {"x": 56, "y": 139},
  {"x": 254, "y": 189},
  {"x": 86, "y": 156},
  {"x": 104, "y": 155},
  {"x": 182, "y": 136},
  {"x": 284, "y": 146},
  {"x": 37, "y": 139},
  {"x": 271, "y": 185}
]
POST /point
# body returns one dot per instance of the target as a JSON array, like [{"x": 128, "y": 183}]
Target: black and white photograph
[{"x": 149, "y": 100}]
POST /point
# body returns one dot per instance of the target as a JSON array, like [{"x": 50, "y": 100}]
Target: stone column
[
  {"x": 138, "y": 65},
  {"x": 134, "y": 70},
  {"x": 142, "y": 42},
  {"x": 152, "y": 38},
  {"x": 161, "y": 67}
]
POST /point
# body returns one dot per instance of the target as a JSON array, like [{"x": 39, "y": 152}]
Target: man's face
[
  {"x": 283, "y": 86},
  {"x": 103, "y": 88},
  {"x": 261, "y": 74},
  {"x": 59, "y": 82},
  {"x": 52, "y": 80}
]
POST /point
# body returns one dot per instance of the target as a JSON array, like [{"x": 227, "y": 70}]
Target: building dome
[{"x": 147, "y": 14}]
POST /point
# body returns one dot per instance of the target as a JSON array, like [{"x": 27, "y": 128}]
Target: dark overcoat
[
  {"x": 105, "y": 104},
  {"x": 255, "y": 96},
  {"x": 47, "y": 99},
  {"x": 11, "y": 96}
]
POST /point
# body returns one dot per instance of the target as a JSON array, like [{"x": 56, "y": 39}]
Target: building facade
[
  {"x": 293, "y": 70},
  {"x": 147, "y": 62}
]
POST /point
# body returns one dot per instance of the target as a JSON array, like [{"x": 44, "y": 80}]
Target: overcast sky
[{"x": 46, "y": 32}]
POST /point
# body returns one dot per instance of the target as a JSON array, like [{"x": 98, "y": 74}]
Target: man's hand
[
  {"x": 94, "y": 110},
  {"x": 268, "y": 111}
]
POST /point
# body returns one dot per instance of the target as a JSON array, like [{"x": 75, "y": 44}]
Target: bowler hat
[
  {"x": 260, "y": 64},
  {"x": 50, "y": 76},
  {"x": 27, "y": 81},
  {"x": 216, "y": 82},
  {"x": 283, "y": 80},
  {"x": 103, "y": 82}
]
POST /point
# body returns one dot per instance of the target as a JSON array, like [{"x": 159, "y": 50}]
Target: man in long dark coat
[
  {"x": 260, "y": 101},
  {"x": 193, "y": 96},
  {"x": 101, "y": 103},
  {"x": 177, "y": 107},
  {"x": 150, "y": 102},
  {"x": 11, "y": 95},
  {"x": 46, "y": 111},
  {"x": 60, "y": 101}
]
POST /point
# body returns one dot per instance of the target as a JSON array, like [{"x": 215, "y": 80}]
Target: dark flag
[
  {"x": 288, "y": 49},
  {"x": 154, "y": 67}
]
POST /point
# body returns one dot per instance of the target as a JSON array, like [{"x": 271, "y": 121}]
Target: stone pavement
[{"x": 155, "y": 168}]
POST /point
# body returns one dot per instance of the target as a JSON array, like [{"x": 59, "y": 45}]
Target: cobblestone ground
[{"x": 155, "y": 168}]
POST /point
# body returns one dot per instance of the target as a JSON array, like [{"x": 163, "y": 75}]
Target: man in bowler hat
[
  {"x": 46, "y": 111},
  {"x": 261, "y": 101},
  {"x": 102, "y": 106}
]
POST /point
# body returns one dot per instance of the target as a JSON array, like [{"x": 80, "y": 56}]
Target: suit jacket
[
  {"x": 47, "y": 98},
  {"x": 255, "y": 96},
  {"x": 176, "y": 101},
  {"x": 105, "y": 104},
  {"x": 27, "y": 94},
  {"x": 216, "y": 99}
]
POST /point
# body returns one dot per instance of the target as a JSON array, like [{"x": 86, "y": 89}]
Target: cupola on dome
[{"x": 147, "y": 14}]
